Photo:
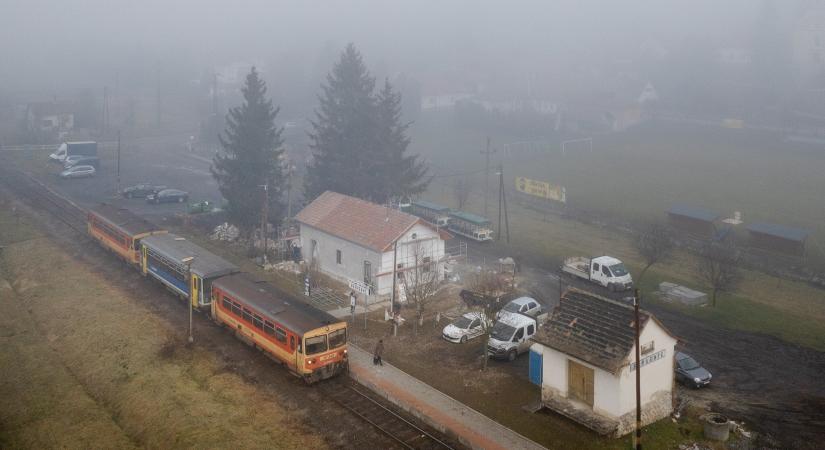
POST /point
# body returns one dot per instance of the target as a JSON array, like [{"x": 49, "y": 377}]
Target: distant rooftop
[
  {"x": 431, "y": 205},
  {"x": 693, "y": 212},
  {"x": 781, "y": 231},
  {"x": 470, "y": 217}
]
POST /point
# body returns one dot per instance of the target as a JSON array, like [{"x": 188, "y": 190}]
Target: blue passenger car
[{"x": 164, "y": 258}]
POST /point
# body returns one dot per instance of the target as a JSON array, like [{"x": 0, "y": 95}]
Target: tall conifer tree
[
  {"x": 358, "y": 140},
  {"x": 252, "y": 147}
]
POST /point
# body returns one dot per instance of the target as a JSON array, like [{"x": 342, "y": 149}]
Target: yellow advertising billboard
[{"x": 541, "y": 189}]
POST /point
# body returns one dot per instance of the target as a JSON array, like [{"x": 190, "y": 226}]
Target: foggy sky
[{"x": 74, "y": 44}]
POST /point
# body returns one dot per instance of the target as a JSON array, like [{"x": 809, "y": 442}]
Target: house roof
[
  {"x": 593, "y": 329},
  {"x": 359, "y": 221},
  {"x": 780, "y": 231},
  {"x": 693, "y": 212},
  {"x": 470, "y": 217}
]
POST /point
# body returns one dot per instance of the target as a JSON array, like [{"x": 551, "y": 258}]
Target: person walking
[{"x": 376, "y": 356}]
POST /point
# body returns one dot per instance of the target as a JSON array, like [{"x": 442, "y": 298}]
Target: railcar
[
  {"x": 308, "y": 341},
  {"x": 164, "y": 257},
  {"x": 470, "y": 225},
  {"x": 433, "y": 213},
  {"x": 120, "y": 231}
]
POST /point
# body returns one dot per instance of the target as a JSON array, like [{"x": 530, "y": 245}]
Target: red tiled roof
[{"x": 359, "y": 221}]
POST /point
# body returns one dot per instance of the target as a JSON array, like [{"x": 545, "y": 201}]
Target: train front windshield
[
  {"x": 338, "y": 338},
  {"x": 316, "y": 344}
]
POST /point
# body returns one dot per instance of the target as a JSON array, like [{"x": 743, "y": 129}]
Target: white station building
[
  {"x": 584, "y": 360},
  {"x": 351, "y": 239}
]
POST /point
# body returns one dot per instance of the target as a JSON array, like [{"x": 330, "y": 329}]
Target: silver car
[{"x": 78, "y": 172}]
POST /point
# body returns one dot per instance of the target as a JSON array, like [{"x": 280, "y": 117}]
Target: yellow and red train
[{"x": 310, "y": 342}]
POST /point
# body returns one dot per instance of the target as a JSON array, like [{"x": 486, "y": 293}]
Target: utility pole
[
  {"x": 394, "y": 277},
  {"x": 289, "y": 193},
  {"x": 487, "y": 154},
  {"x": 105, "y": 118},
  {"x": 636, "y": 300},
  {"x": 118, "y": 160},
  {"x": 264, "y": 217},
  {"x": 158, "y": 96},
  {"x": 188, "y": 261},
  {"x": 215, "y": 94},
  {"x": 502, "y": 205}
]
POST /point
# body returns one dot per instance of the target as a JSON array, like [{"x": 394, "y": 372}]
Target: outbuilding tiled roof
[
  {"x": 359, "y": 221},
  {"x": 593, "y": 329},
  {"x": 780, "y": 231},
  {"x": 693, "y": 212}
]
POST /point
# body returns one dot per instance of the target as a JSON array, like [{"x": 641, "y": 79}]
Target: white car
[
  {"x": 466, "y": 327},
  {"x": 522, "y": 305},
  {"x": 78, "y": 172}
]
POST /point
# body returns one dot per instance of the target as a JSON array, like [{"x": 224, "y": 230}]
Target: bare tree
[
  {"x": 461, "y": 190},
  {"x": 421, "y": 281},
  {"x": 483, "y": 296},
  {"x": 655, "y": 244},
  {"x": 718, "y": 267}
]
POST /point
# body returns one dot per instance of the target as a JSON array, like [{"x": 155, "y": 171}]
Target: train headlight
[{"x": 310, "y": 361}]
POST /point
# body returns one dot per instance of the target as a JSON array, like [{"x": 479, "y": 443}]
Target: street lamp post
[{"x": 188, "y": 261}]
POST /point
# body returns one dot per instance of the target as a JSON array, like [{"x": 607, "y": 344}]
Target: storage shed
[
  {"x": 692, "y": 220},
  {"x": 778, "y": 238},
  {"x": 584, "y": 360}
]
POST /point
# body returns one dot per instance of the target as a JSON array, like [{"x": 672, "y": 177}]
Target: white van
[{"x": 511, "y": 335}]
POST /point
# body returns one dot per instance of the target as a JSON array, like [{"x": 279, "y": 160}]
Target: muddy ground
[{"x": 95, "y": 356}]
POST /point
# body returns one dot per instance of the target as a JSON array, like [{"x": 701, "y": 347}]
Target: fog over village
[{"x": 413, "y": 224}]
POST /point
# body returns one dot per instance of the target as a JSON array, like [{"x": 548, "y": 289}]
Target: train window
[
  {"x": 316, "y": 344},
  {"x": 337, "y": 338},
  {"x": 236, "y": 309},
  {"x": 269, "y": 328},
  {"x": 280, "y": 335},
  {"x": 247, "y": 315},
  {"x": 257, "y": 322},
  {"x": 227, "y": 304}
]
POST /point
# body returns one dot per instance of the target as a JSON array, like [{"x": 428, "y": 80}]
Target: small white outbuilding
[{"x": 584, "y": 360}]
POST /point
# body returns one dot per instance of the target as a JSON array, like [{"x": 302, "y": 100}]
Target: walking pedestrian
[{"x": 376, "y": 356}]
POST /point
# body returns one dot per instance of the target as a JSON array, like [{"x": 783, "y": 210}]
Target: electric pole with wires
[
  {"x": 487, "y": 154},
  {"x": 502, "y": 205}
]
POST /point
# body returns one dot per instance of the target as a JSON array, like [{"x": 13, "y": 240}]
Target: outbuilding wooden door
[{"x": 580, "y": 382}]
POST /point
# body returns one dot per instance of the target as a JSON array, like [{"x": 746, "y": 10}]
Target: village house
[
  {"x": 584, "y": 360},
  {"x": 351, "y": 239},
  {"x": 50, "y": 116}
]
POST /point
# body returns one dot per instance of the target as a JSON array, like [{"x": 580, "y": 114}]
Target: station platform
[{"x": 434, "y": 407}]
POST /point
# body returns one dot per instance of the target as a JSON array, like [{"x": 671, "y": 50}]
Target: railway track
[
  {"x": 404, "y": 432},
  {"x": 343, "y": 391},
  {"x": 41, "y": 196}
]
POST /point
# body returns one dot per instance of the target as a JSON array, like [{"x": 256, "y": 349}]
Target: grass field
[
  {"x": 83, "y": 365},
  {"x": 744, "y": 173},
  {"x": 639, "y": 174}
]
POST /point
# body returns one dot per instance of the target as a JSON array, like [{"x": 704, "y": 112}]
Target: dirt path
[
  {"x": 121, "y": 338},
  {"x": 774, "y": 386}
]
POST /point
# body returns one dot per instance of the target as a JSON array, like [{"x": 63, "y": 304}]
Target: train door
[
  {"x": 144, "y": 259},
  {"x": 194, "y": 290},
  {"x": 295, "y": 352}
]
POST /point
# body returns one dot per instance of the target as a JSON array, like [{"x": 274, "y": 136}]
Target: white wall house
[
  {"x": 351, "y": 239},
  {"x": 584, "y": 360}
]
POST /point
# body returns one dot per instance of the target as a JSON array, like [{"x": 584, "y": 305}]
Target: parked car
[
  {"x": 141, "y": 190},
  {"x": 200, "y": 207},
  {"x": 468, "y": 326},
  {"x": 690, "y": 373},
  {"x": 168, "y": 196},
  {"x": 78, "y": 172},
  {"x": 511, "y": 335},
  {"x": 523, "y": 305},
  {"x": 82, "y": 160}
]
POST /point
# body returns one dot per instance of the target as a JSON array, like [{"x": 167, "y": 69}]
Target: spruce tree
[
  {"x": 358, "y": 140},
  {"x": 342, "y": 132},
  {"x": 252, "y": 147},
  {"x": 402, "y": 175}
]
